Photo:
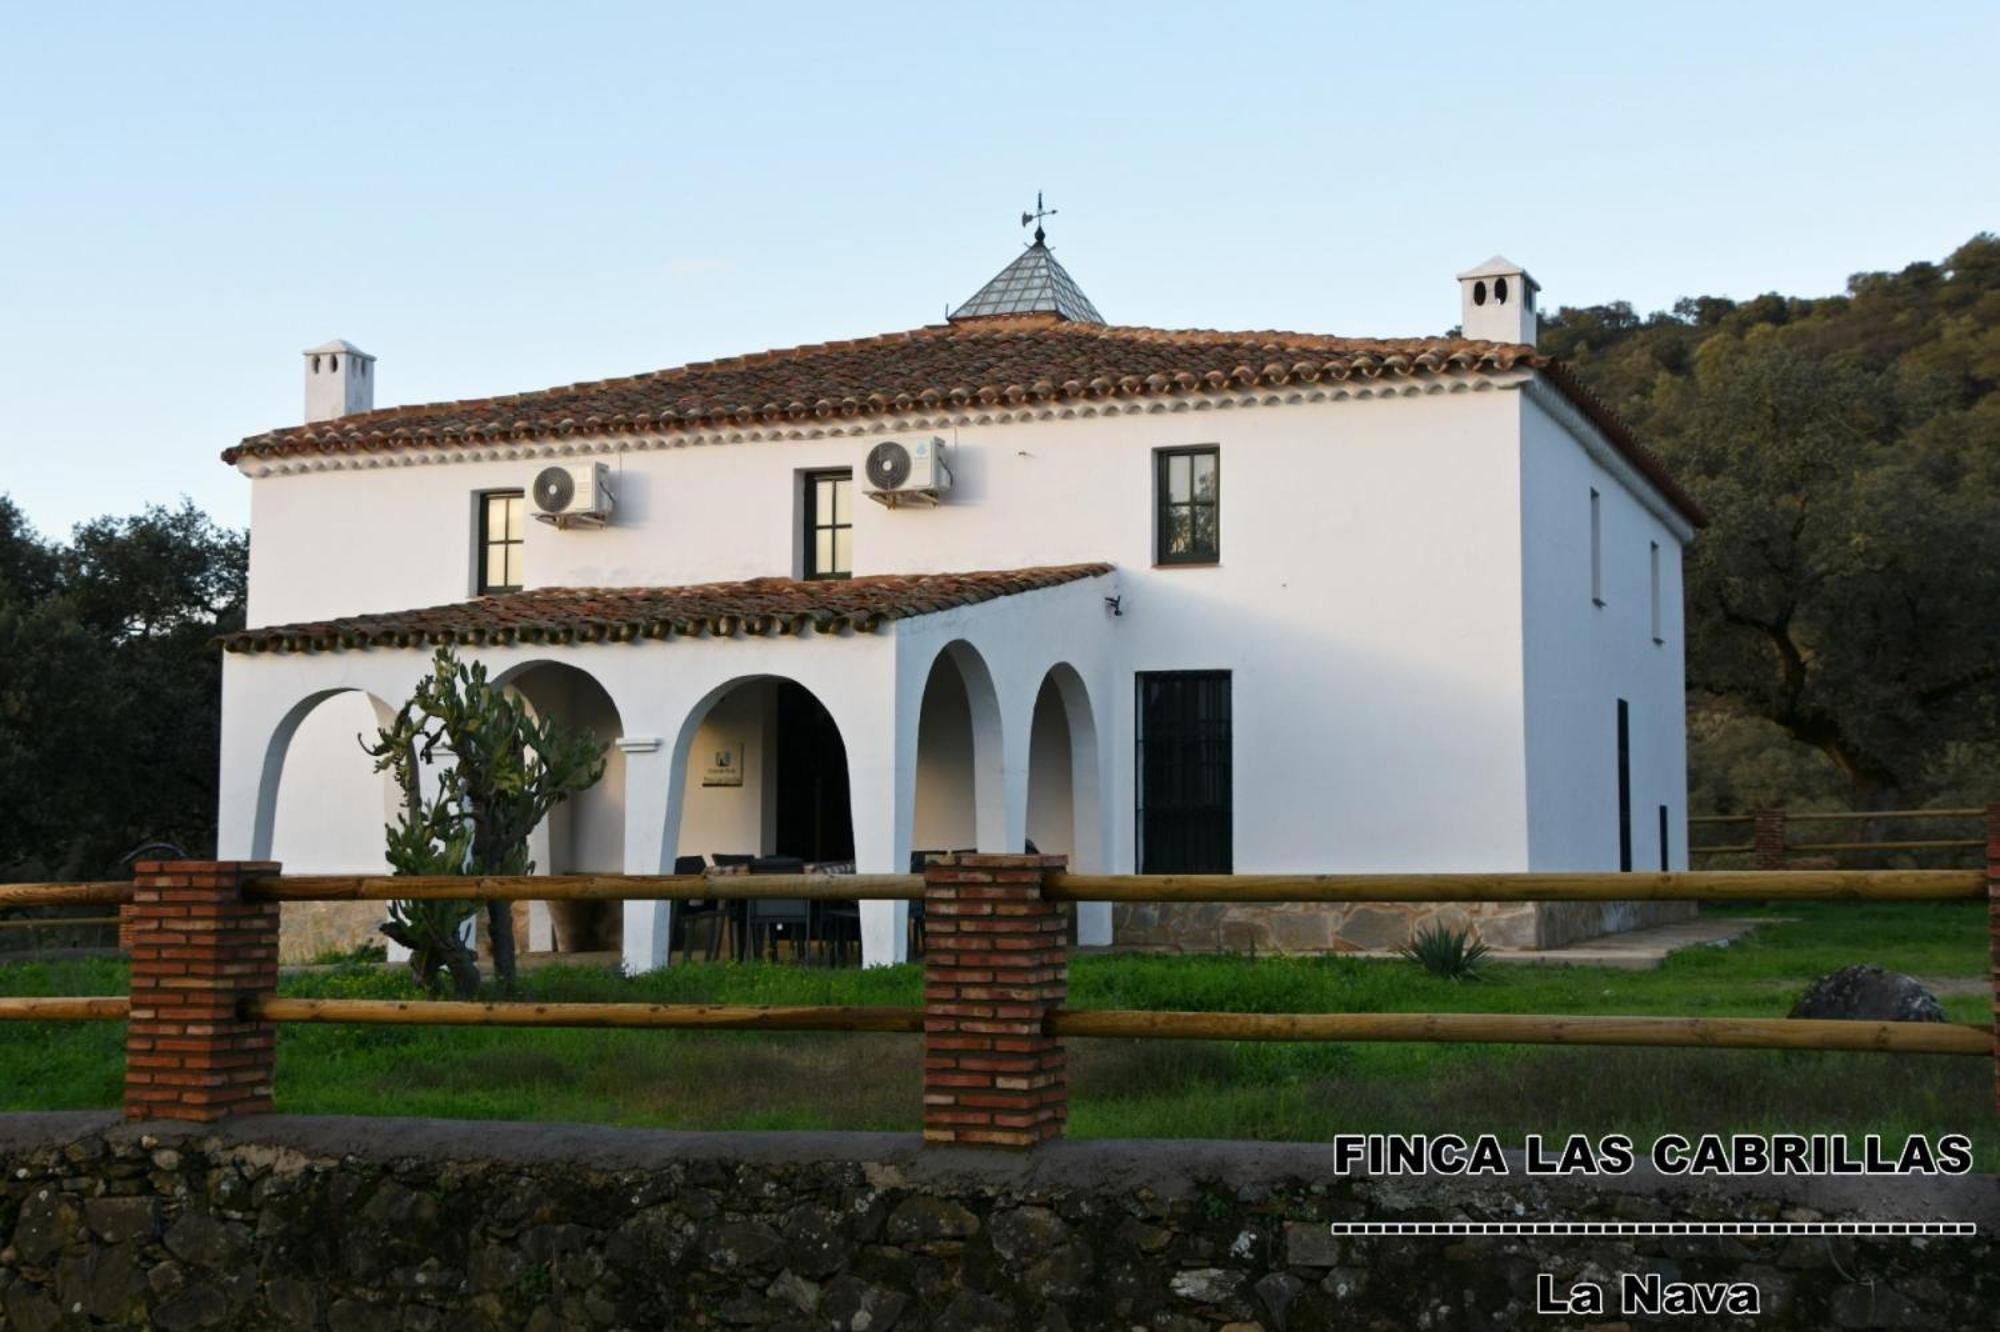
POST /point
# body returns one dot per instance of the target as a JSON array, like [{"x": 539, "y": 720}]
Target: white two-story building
[{"x": 1161, "y": 600}]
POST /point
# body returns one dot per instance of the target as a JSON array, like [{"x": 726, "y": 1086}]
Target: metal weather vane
[{"x": 1037, "y": 216}]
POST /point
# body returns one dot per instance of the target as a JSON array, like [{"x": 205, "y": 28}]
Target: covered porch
[{"x": 854, "y": 722}]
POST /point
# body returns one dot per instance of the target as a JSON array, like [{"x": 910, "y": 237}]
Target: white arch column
[
  {"x": 882, "y": 784},
  {"x": 659, "y": 712},
  {"x": 651, "y": 782}
]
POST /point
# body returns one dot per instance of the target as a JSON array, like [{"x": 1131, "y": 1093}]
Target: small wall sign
[{"x": 725, "y": 768}]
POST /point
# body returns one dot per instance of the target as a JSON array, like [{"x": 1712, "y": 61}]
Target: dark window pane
[
  {"x": 1184, "y": 762},
  {"x": 1205, "y": 538},
  {"x": 1203, "y": 465}
]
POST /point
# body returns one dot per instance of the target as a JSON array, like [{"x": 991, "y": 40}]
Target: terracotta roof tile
[
  {"x": 629, "y": 614},
  {"x": 996, "y": 360}
]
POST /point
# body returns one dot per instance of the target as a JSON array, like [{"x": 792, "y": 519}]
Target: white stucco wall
[
  {"x": 1052, "y": 779},
  {"x": 1390, "y": 711},
  {"x": 1581, "y": 658},
  {"x": 586, "y": 833},
  {"x": 946, "y": 817},
  {"x": 332, "y": 807},
  {"x": 1370, "y": 586}
]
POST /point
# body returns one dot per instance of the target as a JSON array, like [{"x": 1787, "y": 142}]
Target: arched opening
[
  {"x": 586, "y": 833},
  {"x": 765, "y": 775},
  {"x": 1064, "y": 814},
  {"x": 1051, "y": 776},
  {"x": 761, "y": 774},
  {"x": 1062, "y": 770},
  {"x": 323, "y": 809},
  {"x": 960, "y": 799}
]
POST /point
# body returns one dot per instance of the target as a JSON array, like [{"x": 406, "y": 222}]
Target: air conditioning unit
[
  {"x": 898, "y": 473},
  {"x": 573, "y": 494}
]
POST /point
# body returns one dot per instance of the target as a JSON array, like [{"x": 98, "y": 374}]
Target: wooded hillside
[{"x": 1844, "y": 603}]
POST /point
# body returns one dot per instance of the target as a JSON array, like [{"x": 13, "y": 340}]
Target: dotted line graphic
[{"x": 1862, "y": 1229}]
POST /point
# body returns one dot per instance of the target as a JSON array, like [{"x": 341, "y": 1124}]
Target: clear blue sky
[{"x": 494, "y": 197}]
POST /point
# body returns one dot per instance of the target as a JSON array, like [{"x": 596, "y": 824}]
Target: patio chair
[
  {"x": 836, "y": 924},
  {"x": 697, "y": 910},
  {"x": 768, "y": 919},
  {"x": 736, "y": 911}
]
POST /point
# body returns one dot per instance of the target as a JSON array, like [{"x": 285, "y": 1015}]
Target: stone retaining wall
[{"x": 354, "y": 1225}]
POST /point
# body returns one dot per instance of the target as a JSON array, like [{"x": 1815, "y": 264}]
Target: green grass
[{"x": 1136, "y": 1088}]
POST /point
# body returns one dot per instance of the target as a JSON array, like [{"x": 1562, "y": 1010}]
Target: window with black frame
[
  {"x": 503, "y": 519},
  {"x": 1187, "y": 494},
  {"x": 1184, "y": 760},
  {"x": 829, "y": 524}
]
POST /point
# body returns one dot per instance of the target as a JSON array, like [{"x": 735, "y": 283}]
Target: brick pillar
[
  {"x": 199, "y": 949},
  {"x": 996, "y": 966},
  {"x": 1768, "y": 835},
  {"x": 1993, "y": 924}
]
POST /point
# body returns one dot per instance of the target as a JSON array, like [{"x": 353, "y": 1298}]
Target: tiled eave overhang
[
  {"x": 762, "y": 607},
  {"x": 513, "y": 422},
  {"x": 329, "y": 448}
]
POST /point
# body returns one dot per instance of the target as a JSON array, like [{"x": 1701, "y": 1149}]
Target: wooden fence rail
[
  {"x": 111, "y": 893},
  {"x": 1471, "y": 1028},
  {"x": 65, "y": 1008},
  {"x": 590, "y": 887},
  {"x": 1507, "y": 1028},
  {"x": 1683, "y": 886},
  {"x": 203, "y": 1012},
  {"x": 1771, "y": 846},
  {"x": 1688, "y": 886},
  {"x": 1846, "y": 815}
]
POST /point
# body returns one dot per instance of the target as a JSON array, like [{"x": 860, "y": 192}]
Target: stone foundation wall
[
  {"x": 308, "y": 929},
  {"x": 312, "y": 928},
  {"x": 356, "y": 1225},
  {"x": 1573, "y": 922},
  {"x": 1307, "y": 927}
]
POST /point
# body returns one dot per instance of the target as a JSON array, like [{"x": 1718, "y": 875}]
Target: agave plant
[{"x": 1446, "y": 953}]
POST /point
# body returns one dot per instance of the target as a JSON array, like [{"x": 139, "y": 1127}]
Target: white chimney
[
  {"x": 1496, "y": 302},
  {"x": 340, "y": 381}
]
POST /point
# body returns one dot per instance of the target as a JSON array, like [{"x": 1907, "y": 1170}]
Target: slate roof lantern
[{"x": 1034, "y": 284}]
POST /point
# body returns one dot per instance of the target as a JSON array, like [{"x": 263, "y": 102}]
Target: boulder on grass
[{"x": 1868, "y": 993}]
